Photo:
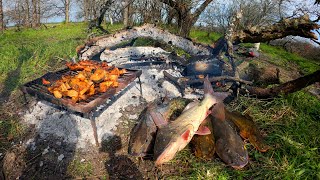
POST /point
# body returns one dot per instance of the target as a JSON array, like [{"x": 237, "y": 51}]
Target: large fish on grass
[
  {"x": 142, "y": 136},
  {"x": 248, "y": 130},
  {"x": 203, "y": 146},
  {"x": 175, "y": 136},
  {"x": 229, "y": 145}
]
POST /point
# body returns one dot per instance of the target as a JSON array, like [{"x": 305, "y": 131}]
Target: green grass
[
  {"x": 204, "y": 37},
  {"x": 279, "y": 56},
  {"x": 80, "y": 169}
]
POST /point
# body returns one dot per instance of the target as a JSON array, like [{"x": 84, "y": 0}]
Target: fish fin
[
  {"x": 158, "y": 119},
  {"x": 221, "y": 95},
  {"x": 203, "y": 130},
  {"x": 207, "y": 86},
  {"x": 218, "y": 111},
  {"x": 185, "y": 135}
]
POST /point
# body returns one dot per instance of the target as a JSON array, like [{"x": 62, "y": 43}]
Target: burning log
[{"x": 97, "y": 45}]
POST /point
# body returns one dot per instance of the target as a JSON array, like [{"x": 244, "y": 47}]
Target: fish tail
[{"x": 207, "y": 87}]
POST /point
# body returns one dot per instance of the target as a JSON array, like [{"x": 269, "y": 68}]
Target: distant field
[{"x": 290, "y": 122}]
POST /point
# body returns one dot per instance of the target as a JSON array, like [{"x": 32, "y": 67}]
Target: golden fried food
[{"x": 92, "y": 77}]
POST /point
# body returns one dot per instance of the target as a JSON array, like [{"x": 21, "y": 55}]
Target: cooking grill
[{"x": 89, "y": 108}]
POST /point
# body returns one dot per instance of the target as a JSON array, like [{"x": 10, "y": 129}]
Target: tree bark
[
  {"x": 67, "y": 6},
  {"x": 286, "y": 88},
  {"x": 126, "y": 13},
  {"x": 39, "y": 13},
  {"x": 35, "y": 13},
  {"x": 28, "y": 22},
  {"x": 1, "y": 17}
]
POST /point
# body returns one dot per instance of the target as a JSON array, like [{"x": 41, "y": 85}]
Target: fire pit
[{"x": 89, "y": 108}]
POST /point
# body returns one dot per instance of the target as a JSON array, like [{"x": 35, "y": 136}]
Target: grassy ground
[{"x": 291, "y": 122}]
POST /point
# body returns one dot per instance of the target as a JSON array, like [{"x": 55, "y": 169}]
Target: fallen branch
[
  {"x": 182, "y": 82},
  {"x": 286, "y": 88},
  {"x": 97, "y": 45},
  {"x": 301, "y": 26}
]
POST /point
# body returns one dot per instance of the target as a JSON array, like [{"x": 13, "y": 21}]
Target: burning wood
[{"x": 92, "y": 77}]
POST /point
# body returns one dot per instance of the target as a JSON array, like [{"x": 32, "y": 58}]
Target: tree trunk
[
  {"x": 34, "y": 13},
  {"x": 86, "y": 10},
  {"x": 1, "y": 17},
  {"x": 28, "y": 23},
  {"x": 67, "y": 6},
  {"x": 126, "y": 13},
  {"x": 110, "y": 18},
  {"x": 38, "y": 13}
]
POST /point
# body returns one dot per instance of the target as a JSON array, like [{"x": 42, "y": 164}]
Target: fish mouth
[{"x": 238, "y": 167}]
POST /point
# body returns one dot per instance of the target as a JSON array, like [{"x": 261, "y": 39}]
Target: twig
[{"x": 215, "y": 79}]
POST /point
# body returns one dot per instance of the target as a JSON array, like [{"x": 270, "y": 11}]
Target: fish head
[
  {"x": 169, "y": 142},
  {"x": 258, "y": 142},
  {"x": 234, "y": 157},
  {"x": 142, "y": 137}
]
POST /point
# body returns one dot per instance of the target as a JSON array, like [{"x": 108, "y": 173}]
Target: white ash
[
  {"x": 74, "y": 129},
  {"x": 60, "y": 157}
]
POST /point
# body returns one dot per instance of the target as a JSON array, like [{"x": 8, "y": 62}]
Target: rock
[{"x": 60, "y": 157}]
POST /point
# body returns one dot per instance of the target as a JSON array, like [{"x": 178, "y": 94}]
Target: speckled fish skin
[
  {"x": 142, "y": 135},
  {"x": 203, "y": 146},
  {"x": 248, "y": 130},
  {"x": 229, "y": 145}
]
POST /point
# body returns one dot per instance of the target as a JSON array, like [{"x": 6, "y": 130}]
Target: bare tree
[
  {"x": 1, "y": 17},
  {"x": 186, "y": 19},
  {"x": 96, "y": 23},
  {"x": 67, "y": 7},
  {"x": 126, "y": 12},
  {"x": 35, "y": 13}
]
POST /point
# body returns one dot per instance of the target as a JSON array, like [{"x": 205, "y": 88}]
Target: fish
[
  {"x": 203, "y": 146},
  {"x": 248, "y": 129},
  {"x": 156, "y": 114},
  {"x": 176, "y": 135},
  {"x": 229, "y": 145},
  {"x": 142, "y": 135}
]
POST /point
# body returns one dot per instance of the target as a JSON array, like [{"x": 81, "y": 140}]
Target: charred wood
[{"x": 97, "y": 45}]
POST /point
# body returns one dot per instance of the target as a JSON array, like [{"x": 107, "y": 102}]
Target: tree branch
[
  {"x": 203, "y": 6},
  {"x": 286, "y": 88},
  {"x": 301, "y": 26}
]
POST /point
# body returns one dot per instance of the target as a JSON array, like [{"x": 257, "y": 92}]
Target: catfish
[
  {"x": 203, "y": 146},
  {"x": 142, "y": 136},
  {"x": 229, "y": 145},
  {"x": 176, "y": 135},
  {"x": 248, "y": 129}
]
